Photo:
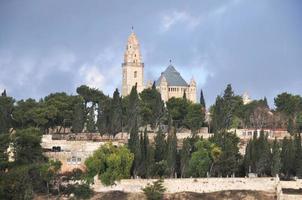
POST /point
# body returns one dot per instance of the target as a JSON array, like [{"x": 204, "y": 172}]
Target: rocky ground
[{"x": 223, "y": 195}]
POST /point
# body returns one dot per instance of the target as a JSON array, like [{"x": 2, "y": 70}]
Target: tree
[
  {"x": 90, "y": 124},
  {"x": 276, "y": 159},
  {"x": 201, "y": 160},
  {"x": 6, "y": 108},
  {"x": 116, "y": 116},
  {"x": 78, "y": 118},
  {"x": 195, "y": 117},
  {"x": 177, "y": 109},
  {"x": 263, "y": 164},
  {"x": 152, "y": 106},
  {"x": 171, "y": 151},
  {"x": 110, "y": 163},
  {"x": 228, "y": 162},
  {"x": 4, "y": 144},
  {"x": 155, "y": 191},
  {"x": 298, "y": 155},
  {"x": 287, "y": 157},
  {"x": 202, "y": 101},
  {"x": 27, "y": 146},
  {"x": 147, "y": 156},
  {"x": 160, "y": 146},
  {"x": 226, "y": 110}
]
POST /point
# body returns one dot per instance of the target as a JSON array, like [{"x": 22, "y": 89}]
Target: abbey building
[{"x": 169, "y": 84}]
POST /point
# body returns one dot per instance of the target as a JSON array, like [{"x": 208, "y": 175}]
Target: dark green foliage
[
  {"x": 171, "y": 151},
  {"x": 228, "y": 162},
  {"x": 195, "y": 117},
  {"x": 6, "y": 109},
  {"x": 116, "y": 113},
  {"x": 177, "y": 109},
  {"x": 226, "y": 111},
  {"x": 90, "y": 123},
  {"x": 152, "y": 106},
  {"x": 201, "y": 100},
  {"x": 298, "y": 155},
  {"x": 276, "y": 159},
  {"x": 147, "y": 156},
  {"x": 27, "y": 147},
  {"x": 288, "y": 157},
  {"x": 78, "y": 118},
  {"x": 155, "y": 191},
  {"x": 4, "y": 144},
  {"x": 160, "y": 146}
]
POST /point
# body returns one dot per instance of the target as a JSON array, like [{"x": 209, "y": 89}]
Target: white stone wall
[{"x": 200, "y": 185}]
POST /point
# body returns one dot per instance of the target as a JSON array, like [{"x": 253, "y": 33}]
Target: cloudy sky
[{"x": 57, "y": 45}]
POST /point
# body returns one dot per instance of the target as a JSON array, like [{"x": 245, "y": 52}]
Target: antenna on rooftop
[{"x": 170, "y": 61}]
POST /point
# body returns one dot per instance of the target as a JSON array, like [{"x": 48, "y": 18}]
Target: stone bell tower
[{"x": 133, "y": 67}]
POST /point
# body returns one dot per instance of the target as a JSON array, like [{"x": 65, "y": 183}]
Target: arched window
[{"x": 135, "y": 74}]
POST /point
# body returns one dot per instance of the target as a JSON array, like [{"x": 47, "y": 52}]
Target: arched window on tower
[{"x": 135, "y": 74}]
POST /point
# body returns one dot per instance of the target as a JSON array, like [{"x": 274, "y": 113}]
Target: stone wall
[{"x": 200, "y": 185}]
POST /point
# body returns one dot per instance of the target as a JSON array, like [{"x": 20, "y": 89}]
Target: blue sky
[{"x": 56, "y": 45}]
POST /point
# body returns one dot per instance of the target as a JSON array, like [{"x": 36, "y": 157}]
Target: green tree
[
  {"x": 6, "y": 109},
  {"x": 177, "y": 109},
  {"x": 202, "y": 101},
  {"x": 78, "y": 118},
  {"x": 155, "y": 191},
  {"x": 195, "y": 117},
  {"x": 152, "y": 106},
  {"x": 202, "y": 159},
  {"x": 287, "y": 157},
  {"x": 110, "y": 163},
  {"x": 160, "y": 146},
  {"x": 276, "y": 158},
  {"x": 27, "y": 146},
  {"x": 298, "y": 155},
  {"x": 171, "y": 151},
  {"x": 116, "y": 116}
]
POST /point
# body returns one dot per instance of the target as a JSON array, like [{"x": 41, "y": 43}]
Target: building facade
[
  {"x": 169, "y": 84},
  {"x": 133, "y": 67}
]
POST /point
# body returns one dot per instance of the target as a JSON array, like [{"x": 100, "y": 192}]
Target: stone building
[
  {"x": 133, "y": 67},
  {"x": 169, "y": 84}
]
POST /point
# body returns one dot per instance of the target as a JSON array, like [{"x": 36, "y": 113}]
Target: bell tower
[{"x": 133, "y": 67}]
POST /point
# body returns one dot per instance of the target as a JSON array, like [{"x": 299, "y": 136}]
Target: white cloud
[
  {"x": 92, "y": 76},
  {"x": 103, "y": 72},
  {"x": 169, "y": 19}
]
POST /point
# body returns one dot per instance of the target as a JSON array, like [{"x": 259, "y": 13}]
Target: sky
[{"x": 57, "y": 45}]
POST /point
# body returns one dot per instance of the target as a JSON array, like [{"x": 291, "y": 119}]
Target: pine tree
[
  {"x": 172, "y": 151},
  {"x": 202, "y": 101},
  {"x": 78, "y": 118},
  {"x": 276, "y": 159}
]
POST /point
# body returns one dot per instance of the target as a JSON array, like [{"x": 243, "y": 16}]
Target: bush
[{"x": 155, "y": 191}]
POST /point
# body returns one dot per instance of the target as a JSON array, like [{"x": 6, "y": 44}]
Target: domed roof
[{"x": 173, "y": 77}]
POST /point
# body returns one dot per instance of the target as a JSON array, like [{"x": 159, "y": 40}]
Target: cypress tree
[
  {"x": 172, "y": 151},
  {"x": 298, "y": 155},
  {"x": 135, "y": 148},
  {"x": 202, "y": 101},
  {"x": 287, "y": 157},
  {"x": 90, "y": 121},
  {"x": 276, "y": 159},
  {"x": 263, "y": 162},
  {"x": 78, "y": 118},
  {"x": 160, "y": 146},
  {"x": 116, "y": 113}
]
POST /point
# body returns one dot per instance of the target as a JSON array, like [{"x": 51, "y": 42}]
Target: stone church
[{"x": 169, "y": 84}]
